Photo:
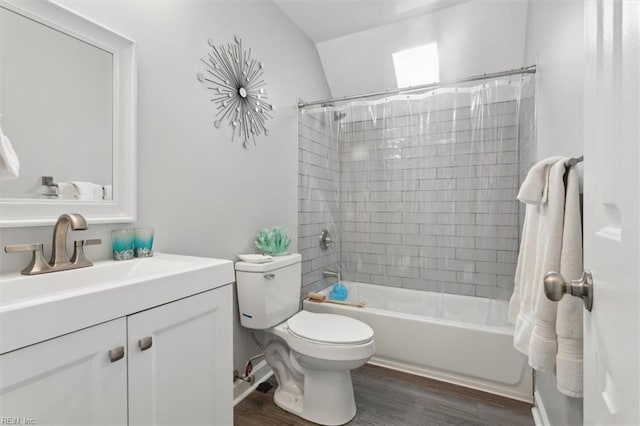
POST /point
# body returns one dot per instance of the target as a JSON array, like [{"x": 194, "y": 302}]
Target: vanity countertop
[{"x": 39, "y": 307}]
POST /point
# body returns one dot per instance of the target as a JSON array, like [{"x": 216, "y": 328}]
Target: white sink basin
[{"x": 39, "y": 307}]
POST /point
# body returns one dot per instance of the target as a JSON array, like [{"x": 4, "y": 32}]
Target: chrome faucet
[{"x": 59, "y": 260}]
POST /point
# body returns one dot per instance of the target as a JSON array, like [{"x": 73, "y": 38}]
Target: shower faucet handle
[{"x": 325, "y": 239}]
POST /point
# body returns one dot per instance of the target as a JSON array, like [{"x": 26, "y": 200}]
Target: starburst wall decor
[{"x": 239, "y": 93}]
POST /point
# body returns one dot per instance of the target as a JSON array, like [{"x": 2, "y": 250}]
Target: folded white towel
[
  {"x": 535, "y": 186},
  {"x": 569, "y": 319},
  {"x": 9, "y": 162},
  {"x": 108, "y": 192},
  {"x": 67, "y": 191},
  {"x": 532, "y": 313},
  {"x": 88, "y": 190}
]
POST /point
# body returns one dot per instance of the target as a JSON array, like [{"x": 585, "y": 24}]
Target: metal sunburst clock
[{"x": 239, "y": 93}]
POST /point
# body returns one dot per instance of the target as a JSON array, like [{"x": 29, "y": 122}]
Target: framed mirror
[{"x": 68, "y": 110}]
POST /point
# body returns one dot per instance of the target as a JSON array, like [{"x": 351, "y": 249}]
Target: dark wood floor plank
[{"x": 391, "y": 398}]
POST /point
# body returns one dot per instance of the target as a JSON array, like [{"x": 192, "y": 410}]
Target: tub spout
[{"x": 334, "y": 274}]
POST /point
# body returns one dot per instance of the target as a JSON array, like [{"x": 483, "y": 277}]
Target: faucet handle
[
  {"x": 21, "y": 248},
  {"x": 37, "y": 265},
  {"x": 78, "y": 258}
]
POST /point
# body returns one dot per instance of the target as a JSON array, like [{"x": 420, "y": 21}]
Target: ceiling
[{"x": 323, "y": 20}]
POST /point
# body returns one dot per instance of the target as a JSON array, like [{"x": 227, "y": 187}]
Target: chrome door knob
[{"x": 555, "y": 287}]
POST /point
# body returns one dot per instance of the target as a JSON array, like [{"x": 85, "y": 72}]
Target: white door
[
  {"x": 180, "y": 362},
  {"x": 611, "y": 212},
  {"x": 76, "y": 379}
]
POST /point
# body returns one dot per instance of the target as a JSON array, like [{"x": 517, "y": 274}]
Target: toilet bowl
[{"x": 311, "y": 354}]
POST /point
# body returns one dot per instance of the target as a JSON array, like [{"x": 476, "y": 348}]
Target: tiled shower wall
[
  {"x": 318, "y": 198},
  {"x": 432, "y": 207},
  {"x": 415, "y": 201}
]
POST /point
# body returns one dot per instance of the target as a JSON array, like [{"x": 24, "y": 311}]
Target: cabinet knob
[
  {"x": 145, "y": 343},
  {"x": 116, "y": 354}
]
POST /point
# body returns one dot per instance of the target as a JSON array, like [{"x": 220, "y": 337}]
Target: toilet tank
[{"x": 268, "y": 293}]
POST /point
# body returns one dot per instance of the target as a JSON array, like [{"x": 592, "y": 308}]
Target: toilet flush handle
[{"x": 269, "y": 276}]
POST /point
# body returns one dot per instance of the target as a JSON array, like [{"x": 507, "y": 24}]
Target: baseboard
[
  {"x": 538, "y": 411},
  {"x": 242, "y": 389}
]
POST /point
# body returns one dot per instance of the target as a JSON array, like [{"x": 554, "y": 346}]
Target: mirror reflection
[{"x": 56, "y": 106}]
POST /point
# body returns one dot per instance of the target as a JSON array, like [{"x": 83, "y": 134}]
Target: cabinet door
[
  {"x": 69, "y": 380},
  {"x": 180, "y": 362}
]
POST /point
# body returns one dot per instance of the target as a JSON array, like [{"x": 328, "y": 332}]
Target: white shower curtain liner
[{"x": 424, "y": 190}]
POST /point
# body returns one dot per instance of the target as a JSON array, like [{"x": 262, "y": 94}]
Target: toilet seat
[
  {"x": 362, "y": 349},
  {"x": 329, "y": 329}
]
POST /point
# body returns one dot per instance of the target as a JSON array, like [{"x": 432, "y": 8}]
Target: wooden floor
[{"x": 389, "y": 398}]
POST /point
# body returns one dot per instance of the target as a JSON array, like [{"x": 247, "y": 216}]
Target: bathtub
[{"x": 457, "y": 339}]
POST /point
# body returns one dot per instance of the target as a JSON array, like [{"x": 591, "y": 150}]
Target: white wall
[
  {"x": 473, "y": 38},
  {"x": 555, "y": 36},
  {"x": 204, "y": 195}
]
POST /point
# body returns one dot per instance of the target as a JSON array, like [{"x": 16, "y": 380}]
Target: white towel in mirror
[
  {"x": 88, "y": 190},
  {"x": 9, "y": 162},
  {"x": 67, "y": 191}
]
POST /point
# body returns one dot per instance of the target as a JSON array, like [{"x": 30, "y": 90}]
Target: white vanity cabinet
[
  {"x": 68, "y": 380},
  {"x": 180, "y": 362},
  {"x": 175, "y": 369}
]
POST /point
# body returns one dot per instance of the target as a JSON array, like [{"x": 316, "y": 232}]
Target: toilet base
[{"x": 327, "y": 398}]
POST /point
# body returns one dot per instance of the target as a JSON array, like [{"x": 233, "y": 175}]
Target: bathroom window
[{"x": 418, "y": 65}]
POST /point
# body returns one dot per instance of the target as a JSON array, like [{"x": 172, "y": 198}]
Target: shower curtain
[{"x": 419, "y": 191}]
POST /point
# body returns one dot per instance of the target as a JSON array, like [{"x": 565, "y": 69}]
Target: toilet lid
[{"x": 329, "y": 328}]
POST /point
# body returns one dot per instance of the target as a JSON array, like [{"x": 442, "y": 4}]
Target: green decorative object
[{"x": 273, "y": 241}]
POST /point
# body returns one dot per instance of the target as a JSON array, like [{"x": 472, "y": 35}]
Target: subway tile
[
  {"x": 420, "y": 240},
  {"x": 476, "y": 230},
  {"x": 496, "y": 268},
  {"x": 505, "y": 256},
  {"x": 419, "y": 284},
  {"x": 456, "y": 265},
  {"x": 497, "y": 243},
  {"x": 475, "y": 254},
  {"x": 385, "y": 181},
  {"x": 476, "y": 278},
  {"x": 403, "y": 250},
  {"x": 438, "y": 275},
  {"x": 385, "y": 238},
  {"x": 404, "y": 228},
  {"x": 451, "y": 241},
  {"x": 386, "y": 217},
  {"x": 429, "y": 229},
  {"x": 455, "y": 218},
  {"x": 438, "y": 252},
  {"x": 417, "y": 218}
]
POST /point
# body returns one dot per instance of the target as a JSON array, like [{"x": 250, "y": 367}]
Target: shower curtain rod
[{"x": 531, "y": 69}]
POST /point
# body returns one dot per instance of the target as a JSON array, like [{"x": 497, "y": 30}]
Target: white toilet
[{"x": 311, "y": 354}]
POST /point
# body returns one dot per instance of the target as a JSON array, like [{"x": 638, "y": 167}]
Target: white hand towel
[
  {"x": 533, "y": 314},
  {"x": 9, "y": 162},
  {"x": 533, "y": 191},
  {"x": 569, "y": 369},
  {"x": 67, "y": 191},
  {"x": 98, "y": 192},
  {"x": 108, "y": 192},
  {"x": 535, "y": 186},
  {"x": 88, "y": 190}
]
